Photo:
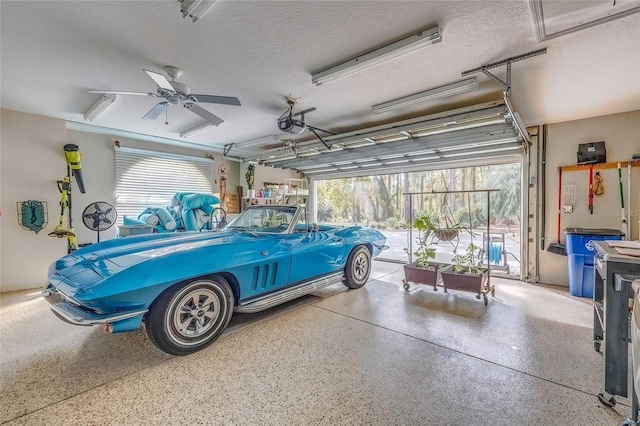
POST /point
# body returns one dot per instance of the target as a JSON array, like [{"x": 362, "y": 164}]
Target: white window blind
[{"x": 150, "y": 179}]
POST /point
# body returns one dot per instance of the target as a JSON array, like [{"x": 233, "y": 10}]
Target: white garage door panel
[{"x": 474, "y": 134}]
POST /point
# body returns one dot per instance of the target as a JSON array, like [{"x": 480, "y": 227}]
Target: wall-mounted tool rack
[{"x": 599, "y": 166}]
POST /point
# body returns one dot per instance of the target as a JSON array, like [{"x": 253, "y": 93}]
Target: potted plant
[
  {"x": 466, "y": 275},
  {"x": 447, "y": 228},
  {"x": 250, "y": 177},
  {"x": 423, "y": 269}
]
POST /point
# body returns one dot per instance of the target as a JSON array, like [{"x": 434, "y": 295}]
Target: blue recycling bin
[{"x": 581, "y": 254}]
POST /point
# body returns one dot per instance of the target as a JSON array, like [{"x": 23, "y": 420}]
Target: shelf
[{"x": 599, "y": 166}]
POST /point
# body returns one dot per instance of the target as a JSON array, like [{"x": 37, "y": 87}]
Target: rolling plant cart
[{"x": 480, "y": 283}]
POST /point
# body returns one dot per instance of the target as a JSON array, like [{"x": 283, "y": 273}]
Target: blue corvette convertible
[{"x": 185, "y": 286}]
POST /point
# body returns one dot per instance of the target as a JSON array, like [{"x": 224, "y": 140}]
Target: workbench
[{"x": 611, "y": 301}]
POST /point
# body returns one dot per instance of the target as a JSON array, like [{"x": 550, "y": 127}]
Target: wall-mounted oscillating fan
[{"x": 99, "y": 216}]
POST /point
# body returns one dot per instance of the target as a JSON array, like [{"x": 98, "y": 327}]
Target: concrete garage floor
[{"x": 374, "y": 356}]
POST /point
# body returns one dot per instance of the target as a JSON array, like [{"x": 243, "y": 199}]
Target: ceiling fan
[{"x": 175, "y": 93}]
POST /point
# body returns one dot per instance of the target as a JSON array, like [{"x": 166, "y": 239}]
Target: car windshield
[{"x": 271, "y": 219}]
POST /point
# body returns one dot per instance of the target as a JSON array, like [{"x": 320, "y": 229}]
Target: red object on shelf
[{"x": 591, "y": 189}]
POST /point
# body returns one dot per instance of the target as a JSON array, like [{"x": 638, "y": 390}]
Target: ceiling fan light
[
  {"x": 99, "y": 106},
  {"x": 460, "y": 86},
  {"x": 196, "y": 129},
  {"x": 390, "y": 51}
]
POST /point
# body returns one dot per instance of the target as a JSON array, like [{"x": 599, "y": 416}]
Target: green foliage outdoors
[{"x": 378, "y": 200}]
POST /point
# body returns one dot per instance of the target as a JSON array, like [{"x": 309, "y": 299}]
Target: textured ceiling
[{"x": 53, "y": 52}]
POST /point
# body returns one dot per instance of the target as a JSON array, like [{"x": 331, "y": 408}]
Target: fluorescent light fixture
[
  {"x": 443, "y": 91},
  {"x": 98, "y": 106},
  {"x": 390, "y": 51},
  {"x": 195, "y": 9},
  {"x": 196, "y": 129}
]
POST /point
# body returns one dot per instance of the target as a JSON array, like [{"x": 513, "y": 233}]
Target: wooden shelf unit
[{"x": 599, "y": 166}]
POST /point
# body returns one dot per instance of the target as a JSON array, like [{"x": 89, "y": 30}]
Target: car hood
[{"x": 96, "y": 262}]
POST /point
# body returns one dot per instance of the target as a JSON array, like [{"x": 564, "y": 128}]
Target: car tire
[
  {"x": 189, "y": 317},
  {"x": 358, "y": 267}
]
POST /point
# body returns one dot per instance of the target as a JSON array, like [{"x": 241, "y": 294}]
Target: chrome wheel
[
  {"x": 361, "y": 266},
  {"x": 187, "y": 318},
  {"x": 358, "y": 267},
  {"x": 196, "y": 313}
]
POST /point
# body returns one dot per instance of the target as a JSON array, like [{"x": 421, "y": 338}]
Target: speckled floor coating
[{"x": 373, "y": 356}]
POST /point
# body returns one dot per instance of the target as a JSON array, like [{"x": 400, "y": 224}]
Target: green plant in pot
[
  {"x": 466, "y": 274},
  {"x": 464, "y": 263},
  {"x": 425, "y": 253},
  {"x": 423, "y": 269},
  {"x": 444, "y": 227}
]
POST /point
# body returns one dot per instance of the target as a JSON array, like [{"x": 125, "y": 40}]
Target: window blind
[{"x": 150, "y": 179}]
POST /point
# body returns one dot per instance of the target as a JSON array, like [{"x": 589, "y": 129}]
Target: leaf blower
[
  {"x": 74, "y": 167},
  {"x": 73, "y": 162}
]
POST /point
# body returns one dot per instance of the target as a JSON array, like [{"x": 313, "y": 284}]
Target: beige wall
[
  {"x": 621, "y": 134},
  {"x": 32, "y": 160}
]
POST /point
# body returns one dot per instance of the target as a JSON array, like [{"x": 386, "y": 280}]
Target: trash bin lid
[{"x": 594, "y": 231}]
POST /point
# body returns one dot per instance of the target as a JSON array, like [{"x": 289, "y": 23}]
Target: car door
[
  {"x": 265, "y": 265},
  {"x": 314, "y": 252},
  {"x": 262, "y": 260}
]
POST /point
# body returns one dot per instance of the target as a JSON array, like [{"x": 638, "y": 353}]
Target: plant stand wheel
[
  {"x": 405, "y": 284},
  {"x": 596, "y": 345},
  {"x": 486, "y": 299},
  {"x": 478, "y": 296},
  {"x": 493, "y": 291}
]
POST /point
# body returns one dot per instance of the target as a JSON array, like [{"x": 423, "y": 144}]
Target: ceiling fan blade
[
  {"x": 160, "y": 80},
  {"x": 156, "y": 111},
  {"x": 211, "y": 99},
  {"x": 116, "y": 92},
  {"x": 195, "y": 108}
]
